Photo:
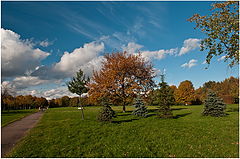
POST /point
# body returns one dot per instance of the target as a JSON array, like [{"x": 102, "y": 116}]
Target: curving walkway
[{"x": 13, "y": 132}]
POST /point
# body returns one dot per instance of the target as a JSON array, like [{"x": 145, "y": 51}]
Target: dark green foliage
[
  {"x": 165, "y": 98},
  {"x": 140, "y": 110},
  {"x": 106, "y": 113},
  {"x": 214, "y": 106},
  {"x": 78, "y": 84}
]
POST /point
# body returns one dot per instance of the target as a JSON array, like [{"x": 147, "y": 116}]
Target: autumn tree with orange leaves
[
  {"x": 121, "y": 78},
  {"x": 185, "y": 93}
]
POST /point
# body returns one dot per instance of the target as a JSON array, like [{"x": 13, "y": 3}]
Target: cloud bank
[{"x": 18, "y": 56}]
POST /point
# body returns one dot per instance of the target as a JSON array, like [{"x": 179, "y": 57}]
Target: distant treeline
[{"x": 183, "y": 94}]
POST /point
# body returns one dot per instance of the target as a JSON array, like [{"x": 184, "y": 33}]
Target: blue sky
[{"x": 44, "y": 43}]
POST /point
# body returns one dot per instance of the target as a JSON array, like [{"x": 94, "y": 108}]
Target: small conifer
[
  {"x": 214, "y": 106},
  {"x": 140, "y": 110},
  {"x": 106, "y": 113},
  {"x": 165, "y": 99}
]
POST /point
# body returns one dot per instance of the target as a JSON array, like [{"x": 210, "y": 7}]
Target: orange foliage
[
  {"x": 122, "y": 76},
  {"x": 185, "y": 93}
]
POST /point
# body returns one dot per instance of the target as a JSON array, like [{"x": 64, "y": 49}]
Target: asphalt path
[{"x": 13, "y": 132}]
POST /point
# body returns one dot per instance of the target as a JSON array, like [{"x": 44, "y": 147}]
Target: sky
[{"x": 43, "y": 44}]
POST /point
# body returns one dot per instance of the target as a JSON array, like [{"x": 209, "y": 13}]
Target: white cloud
[
  {"x": 27, "y": 81},
  {"x": 190, "y": 64},
  {"x": 19, "y": 85},
  {"x": 189, "y": 45},
  {"x": 134, "y": 48},
  {"x": 45, "y": 43},
  {"x": 18, "y": 56},
  {"x": 222, "y": 58},
  {"x": 84, "y": 57},
  {"x": 58, "y": 93},
  {"x": 24, "y": 82},
  {"x": 160, "y": 54}
]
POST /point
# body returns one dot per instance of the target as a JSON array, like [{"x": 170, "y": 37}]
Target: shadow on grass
[
  {"x": 149, "y": 115},
  {"x": 181, "y": 115},
  {"x": 152, "y": 110},
  {"x": 124, "y": 121},
  {"x": 128, "y": 113},
  {"x": 178, "y": 108},
  {"x": 233, "y": 110},
  {"x": 124, "y": 114}
]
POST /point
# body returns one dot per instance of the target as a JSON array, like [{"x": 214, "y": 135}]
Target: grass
[
  {"x": 10, "y": 116},
  {"x": 62, "y": 133}
]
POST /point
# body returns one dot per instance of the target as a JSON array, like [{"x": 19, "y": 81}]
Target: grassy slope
[
  {"x": 13, "y": 115},
  {"x": 62, "y": 133}
]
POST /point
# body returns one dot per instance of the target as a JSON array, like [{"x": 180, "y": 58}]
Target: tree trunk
[
  {"x": 124, "y": 107},
  {"x": 81, "y": 108}
]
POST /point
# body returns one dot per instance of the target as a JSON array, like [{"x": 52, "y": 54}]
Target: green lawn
[
  {"x": 13, "y": 115},
  {"x": 62, "y": 133}
]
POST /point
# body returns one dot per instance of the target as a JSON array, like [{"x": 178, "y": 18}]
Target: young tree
[
  {"x": 106, "y": 113},
  {"x": 78, "y": 85},
  {"x": 222, "y": 30},
  {"x": 214, "y": 106},
  {"x": 121, "y": 77},
  {"x": 165, "y": 99},
  {"x": 185, "y": 93},
  {"x": 140, "y": 110}
]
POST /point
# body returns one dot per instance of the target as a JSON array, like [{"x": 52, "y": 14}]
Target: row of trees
[
  {"x": 185, "y": 93},
  {"x": 31, "y": 102},
  {"x": 23, "y": 102}
]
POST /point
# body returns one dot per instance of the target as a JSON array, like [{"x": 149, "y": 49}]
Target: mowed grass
[
  {"x": 10, "y": 116},
  {"x": 62, "y": 133}
]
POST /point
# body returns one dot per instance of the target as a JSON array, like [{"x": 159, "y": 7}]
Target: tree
[
  {"x": 78, "y": 85},
  {"x": 29, "y": 101},
  {"x": 74, "y": 102},
  {"x": 227, "y": 89},
  {"x": 214, "y": 106},
  {"x": 222, "y": 30},
  {"x": 20, "y": 102},
  {"x": 165, "y": 98},
  {"x": 140, "y": 110},
  {"x": 121, "y": 77},
  {"x": 106, "y": 113},
  {"x": 41, "y": 102},
  {"x": 65, "y": 101},
  {"x": 52, "y": 104},
  {"x": 6, "y": 92},
  {"x": 185, "y": 93},
  {"x": 9, "y": 102}
]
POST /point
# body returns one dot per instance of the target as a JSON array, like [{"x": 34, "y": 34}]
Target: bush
[
  {"x": 140, "y": 110},
  {"x": 214, "y": 106}
]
